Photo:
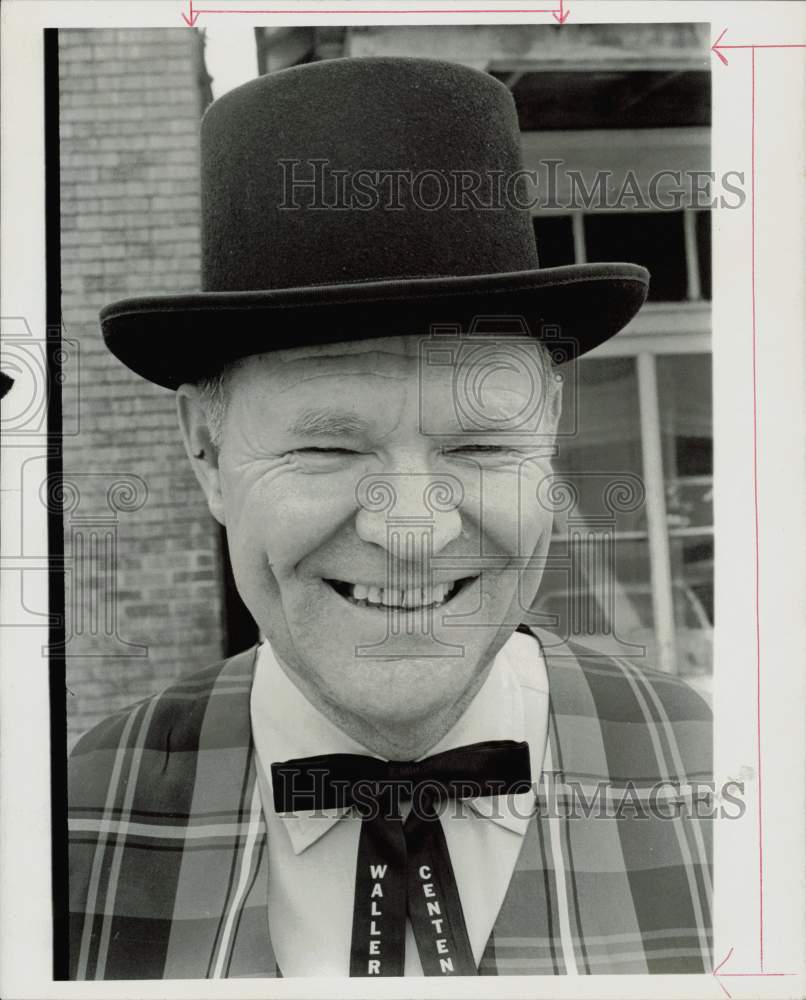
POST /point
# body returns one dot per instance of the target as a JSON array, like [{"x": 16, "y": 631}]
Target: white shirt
[{"x": 312, "y": 859}]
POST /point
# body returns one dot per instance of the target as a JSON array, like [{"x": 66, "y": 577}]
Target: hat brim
[{"x": 171, "y": 339}]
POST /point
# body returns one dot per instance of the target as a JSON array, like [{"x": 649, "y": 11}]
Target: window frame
[{"x": 660, "y": 328}]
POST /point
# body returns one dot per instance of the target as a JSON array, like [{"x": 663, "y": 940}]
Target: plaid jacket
[{"x": 169, "y": 873}]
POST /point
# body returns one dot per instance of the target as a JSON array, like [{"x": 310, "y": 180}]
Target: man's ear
[{"x": 201, "y": 450}]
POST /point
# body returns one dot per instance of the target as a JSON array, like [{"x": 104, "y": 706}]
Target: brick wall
[{"x": 144, "y": 597}]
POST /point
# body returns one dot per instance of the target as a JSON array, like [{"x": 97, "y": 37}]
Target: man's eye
[
  {"x": 325, "y": 451},
  {"x": 476, "y": 449}
]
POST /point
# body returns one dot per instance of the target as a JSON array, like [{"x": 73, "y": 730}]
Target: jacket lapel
[
  {"x": 599, "y": 888},
  {"x": 220, "y": 921}
]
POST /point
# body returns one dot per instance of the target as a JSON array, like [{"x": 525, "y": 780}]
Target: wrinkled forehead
[
  {"x": 395, "y": 358},
  {"x": 407, "y": 361}
]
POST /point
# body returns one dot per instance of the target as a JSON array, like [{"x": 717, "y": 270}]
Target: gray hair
[{"x": 213, "y": 397}]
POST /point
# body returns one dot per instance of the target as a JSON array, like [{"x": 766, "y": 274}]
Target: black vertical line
[
  {"x": 56, "y": 660},
  {"x": 240, "y": 629}
]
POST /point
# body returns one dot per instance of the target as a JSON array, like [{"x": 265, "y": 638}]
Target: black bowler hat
[{"x": 281, "y": 269}]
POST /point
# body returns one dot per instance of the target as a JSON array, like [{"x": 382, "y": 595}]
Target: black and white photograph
[
  {"x": 376, "y": 397},
  {"x": 381, "y": 500}
]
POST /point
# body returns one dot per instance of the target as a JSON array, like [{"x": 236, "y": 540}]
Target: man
[{"x": 373, "y": 791}]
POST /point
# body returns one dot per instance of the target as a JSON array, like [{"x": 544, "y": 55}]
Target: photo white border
[{"x": 25, "y": 847}]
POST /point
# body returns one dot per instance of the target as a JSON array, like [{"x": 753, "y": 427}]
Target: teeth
[{"x": 412, "y": 597}]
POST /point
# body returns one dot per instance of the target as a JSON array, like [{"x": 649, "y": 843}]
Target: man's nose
[{"x": 409, "y": 513}]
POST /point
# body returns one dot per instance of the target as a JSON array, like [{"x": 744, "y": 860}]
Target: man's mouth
[{"x": 412, "y": 599}]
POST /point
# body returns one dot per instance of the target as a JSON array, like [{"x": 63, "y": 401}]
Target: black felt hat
[{"x": 333, "y": 208}]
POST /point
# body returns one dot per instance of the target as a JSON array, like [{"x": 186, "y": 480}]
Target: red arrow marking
[
  {"x": 561, "y": 15},
  {"x": 719, "y": 975},
  {"x": 718, "y": 49},
  {"x": 715, "y": 973},
  {"x": 191, "y": 17},
  {"x": 422, "y": 10},
  {"x": 715, "y": 47}
]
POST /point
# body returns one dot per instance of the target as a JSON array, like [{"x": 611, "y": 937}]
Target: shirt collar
[{"x": 511, "y": 704}]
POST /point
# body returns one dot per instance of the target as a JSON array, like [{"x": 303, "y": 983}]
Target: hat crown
[{"x": 357, "y": 170}]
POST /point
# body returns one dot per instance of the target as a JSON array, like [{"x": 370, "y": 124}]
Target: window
[
  {"x": 674, "y": 246},
  {"x": 614, "y": 97},
  {"x": 632, "y": 575}
]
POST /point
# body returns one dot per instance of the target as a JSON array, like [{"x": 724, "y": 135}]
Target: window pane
[
  {"x": 684, "y": 395},
  {"x": 654, "y": 239},
  {"x": 555, "y": 240},
  {"x": 600, "y": 436},
  {"x": 596, "y": 589},
  {"x": 611, "y": 98},
  {"x": 704, "y": 252}
]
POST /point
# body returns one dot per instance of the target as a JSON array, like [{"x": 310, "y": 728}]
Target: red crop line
[
  {"x": 772, "y": 45},
  {"x": 420, "y": 10},
  {"x": 756, "y": 505},
  {"x": 764, "y": 975}
]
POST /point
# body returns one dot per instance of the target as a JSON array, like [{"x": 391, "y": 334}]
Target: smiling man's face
[{"x": 384, "y": 545}]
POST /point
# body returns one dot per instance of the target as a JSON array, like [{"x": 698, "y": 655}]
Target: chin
[
  {"x": 393, "y": 692},
  {"x": 389, "y": 667}
]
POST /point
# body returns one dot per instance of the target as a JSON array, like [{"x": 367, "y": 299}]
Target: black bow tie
[{"x": 404, "y": 868}]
